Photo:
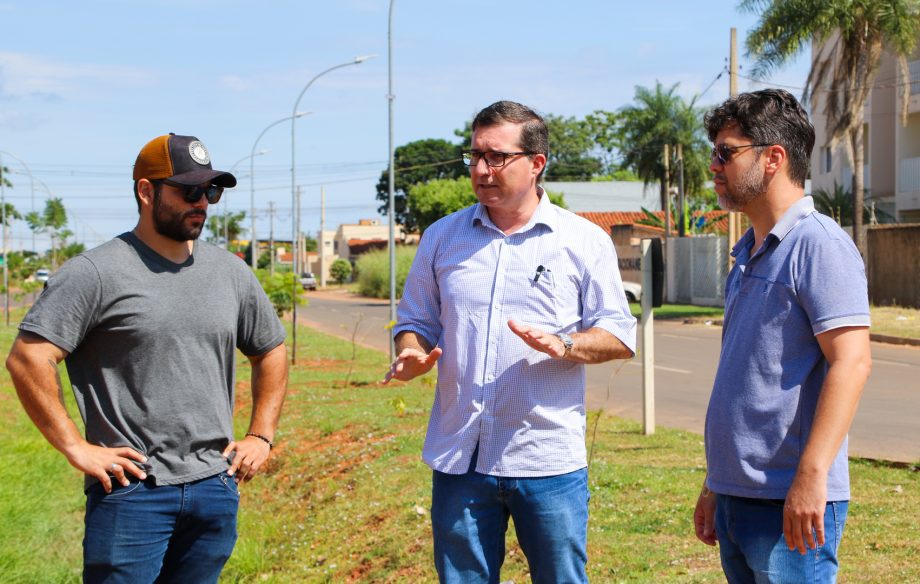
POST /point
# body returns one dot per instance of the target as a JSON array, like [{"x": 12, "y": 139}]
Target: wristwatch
[{"x": 567, "y": 342}]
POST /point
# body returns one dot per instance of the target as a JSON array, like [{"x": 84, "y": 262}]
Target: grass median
[{"x": 346, "y": 497}]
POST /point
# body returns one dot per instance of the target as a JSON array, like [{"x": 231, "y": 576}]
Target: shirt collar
[
  {"x": 544, "y": 214},
  {"x": 793, "y": 215}
]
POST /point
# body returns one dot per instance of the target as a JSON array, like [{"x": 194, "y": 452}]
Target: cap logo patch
[{"x": 199, "y": 153}]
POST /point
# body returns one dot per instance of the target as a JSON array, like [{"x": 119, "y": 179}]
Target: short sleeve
[
  {"x": 65, "y": 310},
  {"x": 259, "y": 329},
  {"x": 831, "y": 284},
  {"x": 603, "y": 300}
]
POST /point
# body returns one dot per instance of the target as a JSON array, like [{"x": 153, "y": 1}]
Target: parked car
[
  {"x": 308, "y": 280},
  {"x": 633, "y": 291},
  {"x": 42, "y": 274}
]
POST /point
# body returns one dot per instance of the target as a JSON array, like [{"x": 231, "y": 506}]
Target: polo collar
[{"x": 792, "y": 217}]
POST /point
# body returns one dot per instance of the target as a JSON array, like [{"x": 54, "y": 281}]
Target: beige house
[{"x": 892, "y": 151}]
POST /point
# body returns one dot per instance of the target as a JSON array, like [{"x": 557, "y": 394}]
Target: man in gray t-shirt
[{"x": 148, "y": 325}]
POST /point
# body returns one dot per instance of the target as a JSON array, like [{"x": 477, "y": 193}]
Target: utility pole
[
  {"x": 321, "y": 244},
  {"x": 734, "y": 218},
  {"x": 681, "y": 224},
  {"x": 271, "y": 237},
  {"x": 295, "y": 249},
  {"x": 6, "y": 273},
  {"x": 666, "y": 190}
]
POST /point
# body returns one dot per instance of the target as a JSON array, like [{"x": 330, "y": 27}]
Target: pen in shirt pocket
[{"x": 543, "y": 272}]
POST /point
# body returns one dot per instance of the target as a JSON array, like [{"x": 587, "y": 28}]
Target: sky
[{"x": 84, "y": 85}]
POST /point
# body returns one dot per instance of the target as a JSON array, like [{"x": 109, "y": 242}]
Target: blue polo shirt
[{"x": 806, "y": 279}]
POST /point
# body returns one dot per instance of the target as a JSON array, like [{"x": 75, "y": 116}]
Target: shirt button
[{"x": 490, "y": 378}]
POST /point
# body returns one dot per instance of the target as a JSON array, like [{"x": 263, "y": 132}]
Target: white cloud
[{"x": 29, "y": 76}]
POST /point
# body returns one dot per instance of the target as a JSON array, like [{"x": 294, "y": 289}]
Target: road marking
[
  {"x": 886, "y": 362},
  {"x": 663, "y": 368}
]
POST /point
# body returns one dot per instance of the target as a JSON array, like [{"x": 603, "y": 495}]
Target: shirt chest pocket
[{"x": 538, "y": 298}]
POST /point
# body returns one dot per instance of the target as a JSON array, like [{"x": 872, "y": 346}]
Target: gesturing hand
[
  {"x": 411, "y": 363},
  {"x": 540, "y": 340}
]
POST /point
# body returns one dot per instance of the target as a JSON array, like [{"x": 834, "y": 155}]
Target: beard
[
  {"x": 750, "y": 185},
  {"x": 172, "y": 224}
]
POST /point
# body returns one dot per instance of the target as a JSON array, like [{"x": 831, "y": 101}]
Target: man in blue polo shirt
[{"x": 795, "y": 355}]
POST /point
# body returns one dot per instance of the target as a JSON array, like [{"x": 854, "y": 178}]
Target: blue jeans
[
  {"x": 469, "y": 518},
  {"x": 753, "y": 549},
  {"x": 169, "y": 533}
]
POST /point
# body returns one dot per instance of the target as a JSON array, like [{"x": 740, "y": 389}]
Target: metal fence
[{"x": 696, "y": 270}]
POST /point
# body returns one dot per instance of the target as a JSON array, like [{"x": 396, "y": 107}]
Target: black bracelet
[{"x": 262, "y": 438}]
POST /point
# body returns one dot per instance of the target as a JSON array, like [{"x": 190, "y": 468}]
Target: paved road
[{"x": 887, "y": 424}]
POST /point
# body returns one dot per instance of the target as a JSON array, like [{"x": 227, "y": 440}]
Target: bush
[
  {"x": 373, "y": 269},
  {"x": 340, "y": 270},
  {"x": 280, "y": 288}
]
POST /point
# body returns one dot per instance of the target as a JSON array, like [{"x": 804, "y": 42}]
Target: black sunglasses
[
  {"x": 193, "y": 194},
  {"x": 724, "y": 153}
]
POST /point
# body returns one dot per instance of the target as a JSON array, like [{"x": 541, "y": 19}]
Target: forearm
[
  {"x": 38, "y": 386},
  {"x": 834, "y": 414},
  {"x": 412, "y": 340},
  {"x": 269, "y": 386},
  {"x": 596, "y": 345}
]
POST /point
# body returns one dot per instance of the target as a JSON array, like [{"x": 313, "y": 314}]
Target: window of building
[{"x": 826, "y": 160}]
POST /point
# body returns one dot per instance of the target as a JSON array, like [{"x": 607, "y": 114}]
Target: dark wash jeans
[
  {"x": 753, "y": 549},
  {"x": 169, "y": 533}
]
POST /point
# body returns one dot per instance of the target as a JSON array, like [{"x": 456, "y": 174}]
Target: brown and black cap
[{"x": 181, "y": 159}]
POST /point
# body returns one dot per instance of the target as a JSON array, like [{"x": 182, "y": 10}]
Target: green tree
[
  {"x": 340, "y": 270},
  {"x": 11, "y": 213},
  {"x": 657, "y": 117},
  {"x": 53, "y": 221},
  {"x": 418, "y": 162},
  {"x": 430, "y": 201},
  {"x": 845, "y": 65},
  {"x": 3, "y": 180},
  {"x": 837, "y": 203},
  {"x": 282, "y": 288},
  {"x": 571, "y": 147},
  {"x": 573, "y": 151},
  {"x": 232, "y": 222}
]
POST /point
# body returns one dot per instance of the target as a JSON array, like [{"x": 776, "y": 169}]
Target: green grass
[
  {"x": 346, "y": 496},
  {"x": 681, "y": 312}
]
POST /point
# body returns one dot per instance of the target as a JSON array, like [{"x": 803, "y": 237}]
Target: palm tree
[
  {"x": 658, "y": 117},
  {"x": 852, "y": 34}
]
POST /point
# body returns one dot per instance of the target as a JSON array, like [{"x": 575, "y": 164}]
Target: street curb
[{"x": 894, "y": 340}]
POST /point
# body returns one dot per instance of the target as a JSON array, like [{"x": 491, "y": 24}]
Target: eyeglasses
[
  {"x": 193, "y": 194},
  {"x": 492, "y": 158},
  {"x": 724, "y": 153}
]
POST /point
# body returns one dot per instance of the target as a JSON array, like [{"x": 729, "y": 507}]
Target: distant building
[
  {"x": 607, "y": 195},
  {"x": 892, "y": 151}
]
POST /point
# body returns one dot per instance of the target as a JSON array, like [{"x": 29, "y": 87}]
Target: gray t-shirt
[{"x": 151, "y": 348}]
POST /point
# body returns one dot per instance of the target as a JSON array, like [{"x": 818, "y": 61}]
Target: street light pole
[
  {"x": 250, "y": 156},
  {"x": 391, "y": 180},
  {"x": 294, "y": 265},
  {"x": 252, "y": 185},
  {"x": 31, "y": 185},
  {"x": 6, "y": 273}
]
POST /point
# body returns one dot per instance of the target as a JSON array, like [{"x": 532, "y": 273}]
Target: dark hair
[
  {"x": 770, "y": 116},
  {"x": 534, "y": 134}
]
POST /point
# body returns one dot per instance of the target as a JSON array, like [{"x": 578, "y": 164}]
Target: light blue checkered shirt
[{"x": 525, "y": 410}]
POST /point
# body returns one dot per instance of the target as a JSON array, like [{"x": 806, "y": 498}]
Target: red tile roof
[{"x": 607, "y": 219}]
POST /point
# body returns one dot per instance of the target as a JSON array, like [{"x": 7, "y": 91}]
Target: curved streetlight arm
[
  {"x": 295, "y": 212},
  {"x": 253, "y": 246}
]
